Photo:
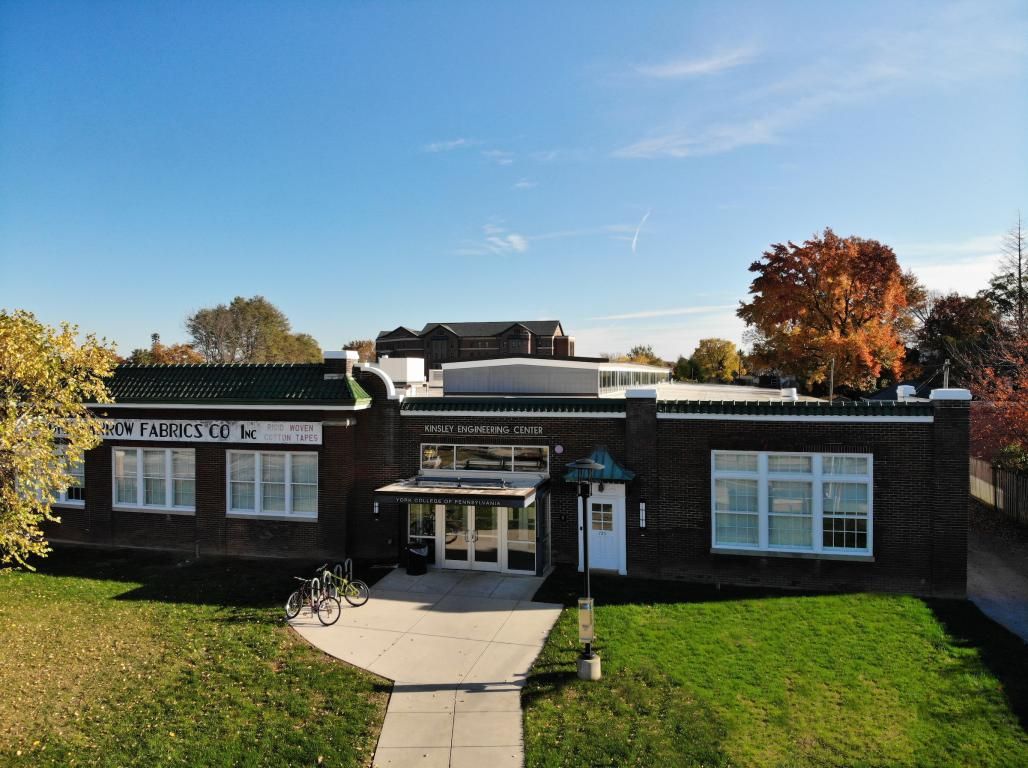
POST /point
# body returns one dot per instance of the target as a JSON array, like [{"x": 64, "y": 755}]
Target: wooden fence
[{"x": 1001, "y": 489}]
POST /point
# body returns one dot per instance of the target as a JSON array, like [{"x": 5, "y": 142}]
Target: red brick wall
[
  {"x": 920, "y": 493},
  {"x": 209, "y": 531}
]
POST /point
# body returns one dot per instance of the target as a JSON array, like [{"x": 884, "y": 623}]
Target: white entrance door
[
  {"x": 605, "y": 522},
  {"x": 470, "y": 536}
]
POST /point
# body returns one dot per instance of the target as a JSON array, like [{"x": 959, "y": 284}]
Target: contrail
[{"x": 635, "y": 237}]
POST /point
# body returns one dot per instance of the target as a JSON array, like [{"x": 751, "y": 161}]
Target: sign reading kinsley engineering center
[
  {"x": 482, "y": 429},
  {"x": 199, "y": 431}
]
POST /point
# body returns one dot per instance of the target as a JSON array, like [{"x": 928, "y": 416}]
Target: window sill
[
  {"x": 855, "y": 557},
  {"x": 156, "y": 510},
  {"x": 71, "y": 504},
  {"x": 262, "y": 516}
]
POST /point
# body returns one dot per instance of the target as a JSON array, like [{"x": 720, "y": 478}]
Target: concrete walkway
[
  {"x": 459, "y": 647},
  {"x": 997, "y": 579}
]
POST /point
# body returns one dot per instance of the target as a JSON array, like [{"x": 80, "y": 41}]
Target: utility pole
[
  {"x": 831, "y": 381},
  {"x": 945, "y": 374}
]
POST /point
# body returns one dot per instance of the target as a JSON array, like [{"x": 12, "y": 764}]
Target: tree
[
  {"x": 830, "y": 298},
  {"x": 685, "y": 369},
  {"x": 644, "y": 354},
  {"x": 45, "y": 377},
  {"x": 365, "y": 349},
  {"x": 249, "y": 331},
  {"x": 1008, "y": 288},
  {"x": 956, "y": 328},
  {"x": 717, "y": 360},
  {"x": 176, "y": 354},
  {"x": 999, "y": 419}
]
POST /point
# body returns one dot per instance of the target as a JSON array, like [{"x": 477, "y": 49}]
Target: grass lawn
[
  {"x": 129, "y": 658},
  {"x": 697, "y": 677}
]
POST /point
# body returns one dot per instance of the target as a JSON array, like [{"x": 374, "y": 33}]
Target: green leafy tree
[
  {"x": 685, "y": 369},
  {"x": 249, "y": 331},
  {"x": 45, "y": 377},
  {"x": 717, "y": 360}
]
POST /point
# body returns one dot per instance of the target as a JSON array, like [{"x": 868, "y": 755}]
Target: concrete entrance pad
[{"x": 458, "y": 647}]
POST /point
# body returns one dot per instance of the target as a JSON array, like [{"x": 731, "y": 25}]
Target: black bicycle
[{"x": 312, "y": 598}]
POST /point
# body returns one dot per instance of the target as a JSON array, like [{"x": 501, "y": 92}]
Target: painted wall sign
[
  {"x": 482, "y": 429},
  {"x": 201, "y": 431}
]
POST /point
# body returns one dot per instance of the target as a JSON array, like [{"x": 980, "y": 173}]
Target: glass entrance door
[
  {"x": 471, "y": 537},
  {"x": 485, "y": 552},
  {"x": 456, "y": 536}
]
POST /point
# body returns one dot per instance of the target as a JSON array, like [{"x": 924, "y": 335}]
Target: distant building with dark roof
[{"x": 440, "y": 343}]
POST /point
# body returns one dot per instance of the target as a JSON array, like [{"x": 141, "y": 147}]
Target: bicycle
[
  {"x": 325, "y": 606},
  {"x": 341, "y": 582}
]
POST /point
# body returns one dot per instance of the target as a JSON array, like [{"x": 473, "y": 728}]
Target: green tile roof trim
[
  {"x": 569, "y": 405},
  {"x": 233, "y": 384},
  {"x": 799, "y": 408}
]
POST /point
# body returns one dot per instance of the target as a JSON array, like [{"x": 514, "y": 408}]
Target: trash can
[{"x": 417, "y": 559}]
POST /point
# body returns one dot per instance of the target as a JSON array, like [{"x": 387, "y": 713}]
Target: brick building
[
  {"x": 714, "y": 484},
  {"x": 439, "y": 343}
]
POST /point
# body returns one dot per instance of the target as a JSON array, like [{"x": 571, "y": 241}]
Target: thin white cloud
[
  {"x": 525, "y": 184},
  {"x": 959, "y": 44},
  {"x": 648, "y": 313},
  {"x": 449, "y": 146},
  {"x": 499, "y": 156},
  {"x": 961, "y": 266},
  {"x": 712, "y": 140},
  {"x": 496, "y": 241},
  {"x": 635, "y": 237},
  {"x": 686, "y": 68}
]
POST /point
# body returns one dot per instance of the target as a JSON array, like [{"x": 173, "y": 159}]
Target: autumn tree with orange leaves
[
  {"x": 999, "y": 418},
  {"x": 841, "y": 298}
]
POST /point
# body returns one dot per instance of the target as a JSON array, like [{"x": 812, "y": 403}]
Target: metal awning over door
[{"x": 443, "y": 490}]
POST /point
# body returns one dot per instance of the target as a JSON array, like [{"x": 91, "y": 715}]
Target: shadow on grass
[
  {"x": 564, "y": 586},
  {"x": 1002, "y": 652},
  {"x": 174, "y": 577}
]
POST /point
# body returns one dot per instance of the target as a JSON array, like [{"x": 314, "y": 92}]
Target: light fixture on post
[{"x": 588, "y": 662}]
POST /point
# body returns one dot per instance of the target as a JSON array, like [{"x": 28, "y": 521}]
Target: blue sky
[{"x": 616, "y": 166}]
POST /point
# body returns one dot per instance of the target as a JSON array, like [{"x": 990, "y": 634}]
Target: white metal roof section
[
  {"x": 596, "y": 365},
  {"x": 725, "y": 393}
]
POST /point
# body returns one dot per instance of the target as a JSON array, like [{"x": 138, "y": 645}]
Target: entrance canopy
[{"x": 486, "y": 491}]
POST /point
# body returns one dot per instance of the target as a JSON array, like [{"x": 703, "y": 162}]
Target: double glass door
[{"x": 471, "y": 537}]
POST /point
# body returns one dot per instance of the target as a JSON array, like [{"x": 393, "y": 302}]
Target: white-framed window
[
  {"x": 75, "y": 494},
  {"x": 273, "y": 483},
  {"x": 792, "y": 502},
  {"x": 154, "y": 478},
  {"x": 485, "y": 458}
]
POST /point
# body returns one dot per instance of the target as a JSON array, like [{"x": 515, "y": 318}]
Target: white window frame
[
  {"x": 455, "y": 472},
  {"x": 62, "y": 495},
  {"x": 817, "y": 477},
  {"x": 169, "y": 483},
  {"x": 258, "y": 491}
]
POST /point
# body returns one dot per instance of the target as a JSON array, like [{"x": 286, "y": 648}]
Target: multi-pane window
[
  {"x": 602, "y": 517},
  {"x": 792, "y": 501},
  {"x": 159, "y": 478},
  {"x": 273, "y": 483},
  {"x": 486, "y": 458},
  {"x": 75, "y": 493}
]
